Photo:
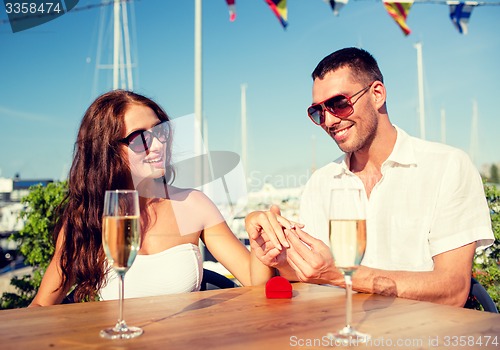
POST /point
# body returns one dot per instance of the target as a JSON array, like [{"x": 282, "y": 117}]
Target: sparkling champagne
[
  {"x": 121, "y": 240},
  {"x": 348, "y": 243}
]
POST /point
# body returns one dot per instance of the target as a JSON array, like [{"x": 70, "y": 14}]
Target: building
[{"x": 11, "y": 193}]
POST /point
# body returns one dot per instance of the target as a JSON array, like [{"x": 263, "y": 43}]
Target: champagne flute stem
[
  {"x": 348, "y": 305},
  {"x": 121, "y": 323}
]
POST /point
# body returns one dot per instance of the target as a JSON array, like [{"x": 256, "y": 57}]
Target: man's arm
[{"x": 448, "y": 283}]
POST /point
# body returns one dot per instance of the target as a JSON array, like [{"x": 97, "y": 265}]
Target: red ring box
[{"x": 278, "y": 288}]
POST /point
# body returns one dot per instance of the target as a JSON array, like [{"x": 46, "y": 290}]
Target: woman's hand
[{"x": 266, "y": 231}]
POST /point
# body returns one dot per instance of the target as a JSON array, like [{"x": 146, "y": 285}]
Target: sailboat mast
[
  {"x": 443, "y": 125},
  {"x": 244, "y": 126},
  {"x": 313, "y": 149},
  {"x": 473, "y": 148},
  {"x": 122, "y": 59},
  {"x": 198, "y": 75},
  {"x": 421, "y": 107},
  {"x": 128, "y": 57},
  {"x": 198, "y": 98},
  {"x": 116, "y": 43}
]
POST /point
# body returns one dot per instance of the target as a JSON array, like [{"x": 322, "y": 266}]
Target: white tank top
[{"x": 176, "y": 270}]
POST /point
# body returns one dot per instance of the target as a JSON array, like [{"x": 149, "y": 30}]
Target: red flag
[
  {"x": 232, "y": 9},
  {"x": 399, "y": 11}
]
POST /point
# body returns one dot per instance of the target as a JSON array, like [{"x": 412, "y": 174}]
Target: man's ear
[{"x": 379, "y": 93}]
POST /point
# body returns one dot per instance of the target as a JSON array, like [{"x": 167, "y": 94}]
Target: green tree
[
  {"x": 486, "y": 265},
  {"x": 494, "y": 177},
  {"x": 35, "y": 241}
]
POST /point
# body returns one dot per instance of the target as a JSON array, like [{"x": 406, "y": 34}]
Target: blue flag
[{"x": 460, "y": 13}]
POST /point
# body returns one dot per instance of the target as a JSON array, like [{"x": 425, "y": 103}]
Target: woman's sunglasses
[
  {"x": 141, "y": 140},
  {"x": 340, "y": 106}
]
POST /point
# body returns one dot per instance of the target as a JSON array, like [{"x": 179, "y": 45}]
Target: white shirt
[{"x": 429, "y": 200}]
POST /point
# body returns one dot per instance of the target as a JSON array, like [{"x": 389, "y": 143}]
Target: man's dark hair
[{"x": 361, "y": 62}]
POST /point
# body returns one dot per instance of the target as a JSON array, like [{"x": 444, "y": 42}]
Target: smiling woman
[
  {"x": 149, "y": 152},
  {"x": 124, "y": 142}
]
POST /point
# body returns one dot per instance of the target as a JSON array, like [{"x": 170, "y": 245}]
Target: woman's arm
[
  {"x": 223, "y": 244},
  {"x": 231, "y": 253},
  {"x": 228, "y": 250},
  {"x": 48, "y": 293},
  {"x": 259, "y": 272}
]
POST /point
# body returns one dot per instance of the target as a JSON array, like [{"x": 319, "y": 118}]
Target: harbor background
[{"x": 54, "y": 71}]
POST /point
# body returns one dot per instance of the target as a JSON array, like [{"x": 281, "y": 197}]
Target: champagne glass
[
  {"x": 347, "y": 234},
  {"x": 121, "y": 238}
]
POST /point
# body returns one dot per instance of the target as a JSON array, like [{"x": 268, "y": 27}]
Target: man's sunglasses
[
  {"x": 141, "y": 140},
  {"x": 340, "y": 106}
]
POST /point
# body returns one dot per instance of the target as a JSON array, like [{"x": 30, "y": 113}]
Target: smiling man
[{"x": 426, "y": 208}]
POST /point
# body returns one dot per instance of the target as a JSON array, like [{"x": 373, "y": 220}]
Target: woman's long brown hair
[{"x": 99, "y": 164}]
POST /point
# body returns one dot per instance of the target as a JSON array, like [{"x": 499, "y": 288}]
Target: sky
[{"x": 48, "y": 78}]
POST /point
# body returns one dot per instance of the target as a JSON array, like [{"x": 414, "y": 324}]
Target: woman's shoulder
[
  {"x": 189, "y": 194},
  {"x": 191, "y": 205},
  {"x": 192, "y": 199}
]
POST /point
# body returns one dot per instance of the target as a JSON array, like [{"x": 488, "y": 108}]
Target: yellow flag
[{"x": 399, "y": 11}]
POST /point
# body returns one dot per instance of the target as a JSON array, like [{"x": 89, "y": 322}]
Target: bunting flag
[
  {"x": 232, "y": 10},
  {"x": 336, "y": 5},
  {"x": 399, "y": 11},
  {"x": 279, "y": 9},
  {"x": 460, "y": 13}
]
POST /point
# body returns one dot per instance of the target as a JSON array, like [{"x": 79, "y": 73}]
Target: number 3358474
[{"x": 32, "y": 8}]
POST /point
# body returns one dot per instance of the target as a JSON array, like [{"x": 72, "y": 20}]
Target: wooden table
[{"x": 242, "y": 318}]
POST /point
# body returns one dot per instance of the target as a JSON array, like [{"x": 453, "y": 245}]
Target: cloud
[{"x": 32, "y": 117}]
